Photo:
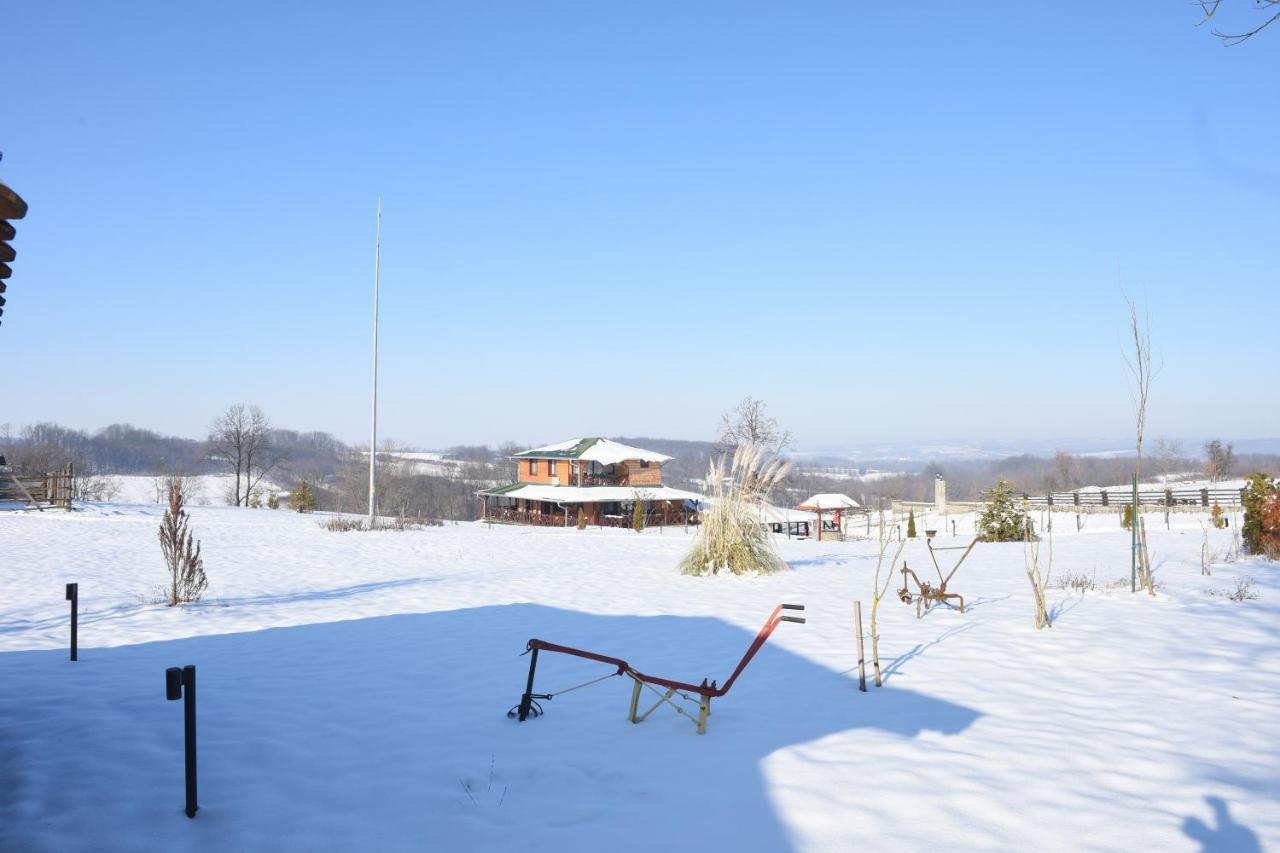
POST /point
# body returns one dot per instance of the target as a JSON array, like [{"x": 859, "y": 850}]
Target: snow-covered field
[
  {"x": 353, "y": 690},
  {"x": 200, "y": 490}
]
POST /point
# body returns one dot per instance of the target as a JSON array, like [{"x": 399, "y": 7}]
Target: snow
[
  {"x": 602, "y": 450},
  {"x": 353, "y": 690},
  {"x": 420, "y": 461},
  {"x": 770, "y": 514},
  {"x": 829, "y": 500},
  {"x": 1180, "y": 485},
  {"x": 201, "y": 490}
]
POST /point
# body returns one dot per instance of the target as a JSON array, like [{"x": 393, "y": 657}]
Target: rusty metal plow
[{"x": 927, "y": 594}]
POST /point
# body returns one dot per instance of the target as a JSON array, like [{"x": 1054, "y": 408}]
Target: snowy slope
[
  {"x": 201, "y": 490},
  {"x": 353, "y": 690}
]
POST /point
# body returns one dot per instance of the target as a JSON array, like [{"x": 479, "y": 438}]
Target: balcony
[{"x": 602, "y": 480}]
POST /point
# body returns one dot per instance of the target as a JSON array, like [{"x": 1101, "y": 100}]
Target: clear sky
[{"x": 891, "y": 221}]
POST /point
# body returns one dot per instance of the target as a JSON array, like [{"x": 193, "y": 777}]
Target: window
[
  {"x": 533, "y": 467},
  {"x": 551, "y": 467},
  {"x": 644, "y": 463}
]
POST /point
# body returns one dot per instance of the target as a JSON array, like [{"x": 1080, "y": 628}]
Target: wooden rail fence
[
  {"x": 1146, "y": 497},
  {"x": 37, "y": 490}
]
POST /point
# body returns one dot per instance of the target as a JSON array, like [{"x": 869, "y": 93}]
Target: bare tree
[
  {"x": 1142, "y": 371},
  {"x": 877, "y": 592},
  {"x": 226, "y": 442},
  {"x": 1064, "y": 470},
  {"x": 749, "y": 424},
  {"x": 1039, "y": 579},
  {"x": 241, "y": 438},
  {"x": 1168, "y": 452},
  {"x": 1270, "y": 8},
  {"x": 261, "y": 454},
  {"x": 1219, "y": 459}
]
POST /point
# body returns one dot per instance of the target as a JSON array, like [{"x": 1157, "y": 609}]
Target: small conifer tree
[
  {"x": 1126, "y": 516},
  {"x": 582, "y": 519},
  {"x": 303, "y": 498},
  {"x": 911, "y": 524},
  {"x": 637, "y": 516},
  {"x": 1003, "y": 520},
  {"x": 187, "y": 580},
  {"x": 1261, "y": 528},
  {"x": 273, "y": 501},
  {"x": 1219, "y": 520}
]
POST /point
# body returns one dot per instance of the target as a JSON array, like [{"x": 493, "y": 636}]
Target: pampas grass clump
[{"x": 732, "y": 538}]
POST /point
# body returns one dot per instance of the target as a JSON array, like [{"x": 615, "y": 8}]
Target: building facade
[{"x": 600, "y": 478}]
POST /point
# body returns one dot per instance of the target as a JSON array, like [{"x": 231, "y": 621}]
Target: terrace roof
[{"x": 590, "y": 494}]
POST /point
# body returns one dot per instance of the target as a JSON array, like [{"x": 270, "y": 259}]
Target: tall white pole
[{"x": 373, "y": 420}]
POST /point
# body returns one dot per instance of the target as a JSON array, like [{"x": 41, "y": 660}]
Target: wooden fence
[
  {"x": 1146, "y": 497},
  {"x": 37, "y": 490}
]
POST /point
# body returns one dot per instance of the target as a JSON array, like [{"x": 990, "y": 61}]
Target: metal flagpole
[{"x": 373, "y": 420}]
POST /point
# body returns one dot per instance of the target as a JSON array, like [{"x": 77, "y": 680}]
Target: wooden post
[
  {"x": 635, "y": 700},
  {"x": 862, "y": 658}
]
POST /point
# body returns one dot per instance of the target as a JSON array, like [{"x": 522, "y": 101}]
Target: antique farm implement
[
  {"x": 667, "y": 690},
  {"x": 927, "y": 594}
]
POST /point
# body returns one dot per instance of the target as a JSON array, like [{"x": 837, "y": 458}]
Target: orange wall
[
  {"x": 631, "y": 472},
  {"x": 563, "y": 470}
]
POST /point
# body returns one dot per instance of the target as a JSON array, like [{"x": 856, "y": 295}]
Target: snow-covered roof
[
  {"x": 770, "y": 514},
  {"x": 829, "y": 500},
  {"x": 590, "y": 494},
  {"x": 600, "y": 450}
]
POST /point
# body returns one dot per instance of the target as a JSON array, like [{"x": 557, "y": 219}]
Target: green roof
[
  {"x": 502, "y": 490},
  {"x": 571, "y": 453}
]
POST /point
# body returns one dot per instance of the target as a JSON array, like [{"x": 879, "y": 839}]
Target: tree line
[{"x": 243, "y": 443}]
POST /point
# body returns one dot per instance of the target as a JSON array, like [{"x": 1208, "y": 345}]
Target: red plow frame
[{"x": 705, "y": 691}]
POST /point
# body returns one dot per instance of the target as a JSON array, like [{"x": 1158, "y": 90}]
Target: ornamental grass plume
[{"x": 732, "y": 538}]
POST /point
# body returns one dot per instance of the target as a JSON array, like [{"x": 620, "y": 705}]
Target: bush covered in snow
[{"x": 1004, "y": 519}]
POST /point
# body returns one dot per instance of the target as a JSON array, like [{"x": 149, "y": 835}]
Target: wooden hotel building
[{"x": 602, "y": 478}]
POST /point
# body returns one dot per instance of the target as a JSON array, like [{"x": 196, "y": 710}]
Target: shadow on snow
[
  {"x": 398, "y": 722},
  {"x": 1225, "y": 836}
]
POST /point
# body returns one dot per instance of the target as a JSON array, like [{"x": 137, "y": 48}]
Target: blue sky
[{"x": 890, "y": 221}]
